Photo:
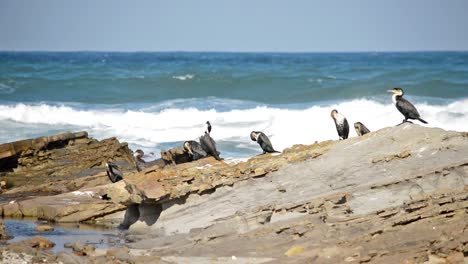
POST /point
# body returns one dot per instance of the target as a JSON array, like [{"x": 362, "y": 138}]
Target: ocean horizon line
[{"x": 233, "y": 52}]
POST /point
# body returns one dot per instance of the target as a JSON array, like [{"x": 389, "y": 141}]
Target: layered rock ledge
[
  {"x": 59, "y": 163},
  {"x": 398, "y": 194}
]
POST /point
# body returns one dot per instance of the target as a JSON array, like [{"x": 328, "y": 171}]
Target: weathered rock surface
[
  {"x": 82, "y": 249},
  {"x": 64, "y": 157},
  {"x": 392, "y": 196},
  {"x": 77, "y": 206},
  {"x": 44, "y": 228}
]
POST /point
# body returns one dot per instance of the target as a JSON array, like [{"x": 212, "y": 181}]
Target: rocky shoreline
[{"x": 395, "y": 195}]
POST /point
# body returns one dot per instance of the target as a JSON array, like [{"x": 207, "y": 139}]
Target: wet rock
[
  {"x": 69, "y": 258},
  {"x": 82, "y": 249},
  {"x": 39, "y": 242},
  {"x": 3, "y": 234},
  {"x": 44, "y": 228},
  {"x": 68, "y": 245},
  {"x": 120, "y": 254}
]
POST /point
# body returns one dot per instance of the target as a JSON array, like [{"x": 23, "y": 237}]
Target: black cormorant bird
[
  {"x": 263, "y": 141},
  {"x": 406, "y": 108},
  {"x": 342, "y": 126},
  {"x": 208, "y": 126},
  {"x": 113, "y": 172},
  {"x": 140, "y": 163},
  {"x": 208, "y": 144},
  {"x": 361, "y": 129},
  {"x": 194, "y": 149}
]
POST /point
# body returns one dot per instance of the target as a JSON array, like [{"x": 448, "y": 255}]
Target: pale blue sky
[{"x": 237, "y": 25}]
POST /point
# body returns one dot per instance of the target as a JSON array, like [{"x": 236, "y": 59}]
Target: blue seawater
[{"x": 156, "y": 101}]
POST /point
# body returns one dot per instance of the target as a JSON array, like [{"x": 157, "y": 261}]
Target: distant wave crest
[
  {"x": 183, "y": 77},
  {"x": 285, "y": 126}
]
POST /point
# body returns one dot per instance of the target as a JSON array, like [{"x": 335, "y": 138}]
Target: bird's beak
[{"x": 390, "y": 91}]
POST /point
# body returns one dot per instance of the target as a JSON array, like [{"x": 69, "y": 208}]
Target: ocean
[{"x": 156, "y": 101}]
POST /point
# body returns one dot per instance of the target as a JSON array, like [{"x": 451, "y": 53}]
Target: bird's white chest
[
  {"x": 340, "y": 119},
  {"x": 394, "y": 97}
]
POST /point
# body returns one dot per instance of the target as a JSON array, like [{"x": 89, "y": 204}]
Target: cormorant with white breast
[
  {"x": 406, "y": 108},
  {"x": 361, "y": 129},
  {"x": 263, "y": 141},
  {"x": 194, "y": 149},
  {"x": 113, "y": 172},
  {"x": 208, "y": 144},
  {"x": 342, "y": 126}
]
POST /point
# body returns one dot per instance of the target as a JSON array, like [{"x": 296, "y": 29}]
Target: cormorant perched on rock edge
[
  {"x": 263, "y": 141},
  {"x": 113, "y": 172},
  {"x": 406, "y": 108},
  {"x": 140, "y": 163},
  {"x": 194, "y": 149},
  {"x": 361, "y": 129},
  {"x": 342, "y": 126},
  {"x": 208, "y": 144}
]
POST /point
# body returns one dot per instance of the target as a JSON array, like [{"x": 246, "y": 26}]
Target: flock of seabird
[{"x": 207, "y": 145}]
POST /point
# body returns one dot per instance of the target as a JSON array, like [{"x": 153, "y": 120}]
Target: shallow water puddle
[{"x": 97, "y": 236}]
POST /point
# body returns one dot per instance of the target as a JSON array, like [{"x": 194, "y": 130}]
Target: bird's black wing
[
  {"x": 345, "y": 129},
  {"x": 265, "y": 143},
  {"x": 407, "y": 108},
  {"x": 198, "y": 151},
  {"x": 364, "y": 129},
  {"x": 114, "y": 173},
  {"x": 209, "y": 146}
]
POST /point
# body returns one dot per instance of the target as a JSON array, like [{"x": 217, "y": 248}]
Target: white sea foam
[
  {"x": 285, "y": 127},
  {"x": 183, "y": 77}
]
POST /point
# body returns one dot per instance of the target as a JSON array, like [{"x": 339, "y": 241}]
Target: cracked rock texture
[
  {"x": 54, "y": 164},
  {"x": 397, "y": 195}
]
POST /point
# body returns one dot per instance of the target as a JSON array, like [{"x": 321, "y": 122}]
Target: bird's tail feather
[{"x": 422, "y": 120}]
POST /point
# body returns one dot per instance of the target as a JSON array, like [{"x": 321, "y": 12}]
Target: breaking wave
[{"x": 154, "y": 128}]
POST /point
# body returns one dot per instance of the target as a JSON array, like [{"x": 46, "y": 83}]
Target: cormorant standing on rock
[
  {"x": 361, "y": 129},
  {"x": 140, "y": 163},
  {"x": 208, "y": 144},
  {"x": 263, "y": 141},
  {"x": 194, "y": 149},
  {"x": 342, "y": 126},
  {"x": 208, "y": 127},
  {"x": 113, "y": 172},
  {"x": 404, "y": 106}
]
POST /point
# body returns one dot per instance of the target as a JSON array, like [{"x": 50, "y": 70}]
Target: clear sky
[{"x": 236, "y": 25}]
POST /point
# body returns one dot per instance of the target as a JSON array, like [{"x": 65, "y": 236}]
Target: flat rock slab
[
  {"x": 77, "y": 206},
  {"x": 348, "y": 182}
]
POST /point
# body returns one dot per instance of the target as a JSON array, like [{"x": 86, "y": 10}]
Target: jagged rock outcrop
[
  {"x": 63, "y": 157},
  {"x": 345, "y": 201},
  {"x": 392, "y": 196}
]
